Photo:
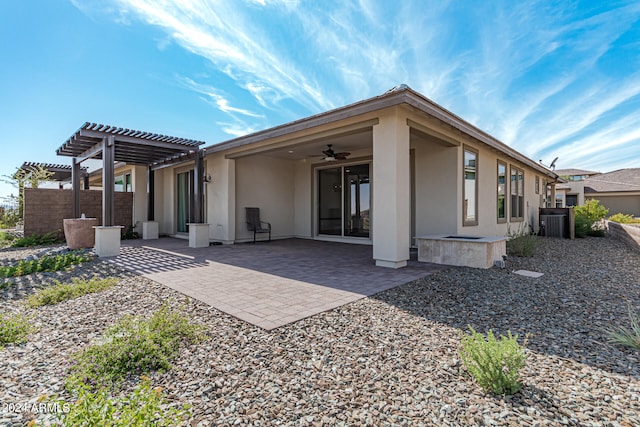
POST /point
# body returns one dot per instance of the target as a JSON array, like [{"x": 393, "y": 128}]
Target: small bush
[
  {"x": 14, "y": 329},
  {"x": 621, "y": 218},
  {"x": 5, "y": 239},
  {"x": 130, "y": 234},
  {"x": 145, "y": 406},
  {"x": 629, "y": 337},
  {"x": 46, "y": 263},
  {"x": 521, "y": 243},
  {"x": 588, "y": 219},
  {"x": 494, "y": 364},
  {"x": 134, "y": 346},
  {"x": 36, "y": 240},
  {"x": 65, "y": 291},
  {"x": 10, "y": 218}
]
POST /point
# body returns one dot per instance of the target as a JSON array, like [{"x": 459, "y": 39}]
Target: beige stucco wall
[
  {"x": 220, "y": 211},
  {"x": 436, "y": 192},
  {"x": 627, "y": 204},
  {"x": 267, "y": 183},
  {"x": 139, "y": 186},
  {"x": 303, "y": 199}
]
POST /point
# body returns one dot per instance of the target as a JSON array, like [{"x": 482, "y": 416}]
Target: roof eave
[{"x": 403, "y": 96}]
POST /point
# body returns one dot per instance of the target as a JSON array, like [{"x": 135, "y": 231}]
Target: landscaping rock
[{"x": 391, "y": 359}]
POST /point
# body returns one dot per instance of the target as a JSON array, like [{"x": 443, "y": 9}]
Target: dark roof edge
[{"x": 399, "y": 95}]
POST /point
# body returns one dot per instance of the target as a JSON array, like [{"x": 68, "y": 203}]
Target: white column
[
  {"x": 221, "y": 200},
  {"x": 391, "y": 191}
]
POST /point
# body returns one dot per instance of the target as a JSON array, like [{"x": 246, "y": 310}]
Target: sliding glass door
[{"x": 344, "y": 199}]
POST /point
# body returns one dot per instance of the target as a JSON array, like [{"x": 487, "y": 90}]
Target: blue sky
[{"x": 550, "y": 78}]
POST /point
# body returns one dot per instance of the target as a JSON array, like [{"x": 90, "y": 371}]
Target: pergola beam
[{"x": 90, "y": 152}]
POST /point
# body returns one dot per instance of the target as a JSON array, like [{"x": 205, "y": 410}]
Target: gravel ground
[{"x": 390, "y": 359}]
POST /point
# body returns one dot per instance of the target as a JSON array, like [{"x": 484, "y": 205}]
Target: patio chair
[{"x": 254, "y": 224}]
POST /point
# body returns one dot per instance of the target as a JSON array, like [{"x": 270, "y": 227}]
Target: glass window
[
  {"x": 517, "y": 194},
  {"x": 470, "y": 189},
  {"x": 502, "y": 192},
  {"x": 123, "y": 183},
  {"x": 537, "y": 184}
]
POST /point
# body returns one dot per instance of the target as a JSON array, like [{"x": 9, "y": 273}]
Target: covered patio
[{"x": 268, "y": 284}]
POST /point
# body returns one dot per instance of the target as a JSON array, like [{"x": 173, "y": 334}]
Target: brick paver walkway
[{"x": 268, "y": 284}]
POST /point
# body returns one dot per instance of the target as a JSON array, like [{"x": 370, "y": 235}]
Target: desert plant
[
  {"x": 65, "y": 291},
  {"x": 35, "y": 240},
  {"x": 145, "y": 406},
  {"x": 522, "y": 242},
  {"x": 14, "y": 329},
  {"x": 494, "y": 363},
  {"x": 46, "y": 263},
  {"x": 588, "y": 219},
  {"x": 621, "y": 218},
  {"x": 5, "y": 239},
  {"x": 629, "y": 337},
  {"x": 135, "y": 345},
  {"x": 130, "y": 234}
]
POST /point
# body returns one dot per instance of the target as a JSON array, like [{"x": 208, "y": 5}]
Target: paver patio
[{"x": 268, "y": 284}]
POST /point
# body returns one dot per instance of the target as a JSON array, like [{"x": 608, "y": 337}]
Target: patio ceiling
[
  {"x": 131, "y": 146},
  {"x": 313, "y": 149}
]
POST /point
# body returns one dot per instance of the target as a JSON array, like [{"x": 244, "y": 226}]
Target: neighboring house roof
[
  {"x": 570, "y": 172},
  {"x": 398, "y": 95},
  {"x": 616, "y": 181}
]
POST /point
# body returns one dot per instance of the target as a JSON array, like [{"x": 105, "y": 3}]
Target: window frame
[
  {"x": 504, "y": 193},
  {"x": 516, "y": 213},
  {"x": 465, "y": 221}
]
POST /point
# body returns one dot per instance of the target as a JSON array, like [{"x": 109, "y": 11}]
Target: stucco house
[
  {"x": 618, "y": 191},
  {"x": 377, "y": 172},
  {"x": 571, "y": 191}
]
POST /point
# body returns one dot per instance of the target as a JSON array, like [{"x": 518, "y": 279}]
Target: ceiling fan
[{"x": 332, "y": 155}]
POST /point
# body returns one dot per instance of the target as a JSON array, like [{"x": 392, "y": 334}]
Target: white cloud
[
  {"x": 532, "y": 73},
  {"x": 223, "y": 35}
]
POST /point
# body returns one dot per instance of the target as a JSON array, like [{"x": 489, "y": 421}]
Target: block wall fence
[
  {"x": 628, "y": 233},
  {"x": 45, "y": 208}
]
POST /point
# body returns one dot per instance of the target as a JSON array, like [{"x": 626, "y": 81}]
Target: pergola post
[
  {"x": 150, "y": 193},
  {"x": 108, "y": 179},
  {"x": 75, "y": 187}
]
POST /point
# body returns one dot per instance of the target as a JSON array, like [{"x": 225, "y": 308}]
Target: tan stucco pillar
[
  {"x": 391, "y": 191},
  {"x": 221, "y": 198}
]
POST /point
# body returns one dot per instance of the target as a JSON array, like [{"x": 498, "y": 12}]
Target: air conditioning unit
[{"x": 553, "y": 225}]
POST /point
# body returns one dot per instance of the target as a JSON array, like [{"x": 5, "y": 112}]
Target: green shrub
[
  {"x": 495, "y": 364},
  {"x": 45, "y": 263},
  {"x": 36, "y": 240},
  {"x": 521, "y": 243},
  {"x": 629, "y": 337},
  {"x": 14, "y": 329},
  {"x": 65, "y": 291},
  {"x": 130, "y": 234},
  {"x": 134, "y": 345},
  {"x": 621, "y": 218},
  {"x": 10, "y": 218},
  {"x": 145, "y": 406},
  {"x": 6, "y": 238},
  {"x": 588, "y": 219}
]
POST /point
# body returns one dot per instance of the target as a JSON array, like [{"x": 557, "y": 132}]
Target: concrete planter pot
[{"x": 78, "y": 232}]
